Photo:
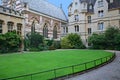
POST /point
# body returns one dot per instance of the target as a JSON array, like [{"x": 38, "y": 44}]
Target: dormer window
[
  {"x": 84, "y": 5},
  {"x": 25, "y": 5},
  {"x": 100, "y": 3},
  {"x": 75, "y": 3},
  {"x": 111, "y": 1},
  {"x": 90, "y": 7}
]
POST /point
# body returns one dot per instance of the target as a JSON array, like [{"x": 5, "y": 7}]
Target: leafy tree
[
  {"x": 10, "y": 42},
  {"x": 72, "y": 41},
  {"x": 34, "y": 41},
  {"x": 108, "y": 40},
  {"x": 65, "y": 43},
  {"x": 117, "y": 42},
  {"x": 98, "y": 41},
  {"x": 110, "y": 35}
]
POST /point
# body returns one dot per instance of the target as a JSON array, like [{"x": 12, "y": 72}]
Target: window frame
[
  {"x": 19, "y": 28},
  {"x": 89, "y": 19},
  {"x": 10, "y": 26},
  {"x": 100, "y": 3},
  {"x": 101, "y": 26},
  {"x": 1, "y": 23}
]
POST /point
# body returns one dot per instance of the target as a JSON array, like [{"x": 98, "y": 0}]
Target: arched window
[
  {"x": 33, "y": 27},
  {"x": 55, "y": 32},
  {"x": 45, "y": 31}
]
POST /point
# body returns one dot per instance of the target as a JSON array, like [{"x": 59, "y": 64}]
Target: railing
[{"x": 64, "y": 71}]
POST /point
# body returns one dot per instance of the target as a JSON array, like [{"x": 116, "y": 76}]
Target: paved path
[{"x": 110, "y": 71}]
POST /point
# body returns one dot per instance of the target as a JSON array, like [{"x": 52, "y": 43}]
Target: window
[
  {"x": 89, "y": 31},
  {"x": 111, "y": 1},
  {"x": 119, "y": 23},
  {"x": 119, "y": 11},
  {"x": 100, "y": 26},
  {"x": 19, "y": 28},
  {"x": 76, "y": 3},
  {"x": 76, "y": 28},
  {"x": 45, "y": 31},
  {"x": 55, "y": 32},
  {"x": 76, "y": 18},
  {"x": 10, "y": 26},
  {"x": 100, "y": 13},
  {"x": 0, "y": 27},
  {"x": 89, "y": 19},
  {"x": 4, "y": 9},
  {"x": 33, "y": 27},
  {"x": 90, "y": 7},
  {"x": 84, "y": 5},
  {"x": 25, "y": 5},
  {"x": 66, "y": 29},
  {"x": 100, "y": 3}
]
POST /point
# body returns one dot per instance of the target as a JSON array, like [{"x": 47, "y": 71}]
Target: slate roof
[
  {"x": 114, "y": 5},
  {"x": 44, "y": 7}
]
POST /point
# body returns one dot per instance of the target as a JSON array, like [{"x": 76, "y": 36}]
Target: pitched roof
[
  {"x": 44, "y": 7},
  {"x": 114, "y": 5}
]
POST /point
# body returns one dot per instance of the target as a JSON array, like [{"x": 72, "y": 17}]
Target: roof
[
  {"x": 114, "y": 5},
  {"x": 44, "y": 7}
]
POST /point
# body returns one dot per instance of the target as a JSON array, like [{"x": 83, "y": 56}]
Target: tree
[
  {"x": 65, "y": 43},
  {"x": 108, "y": 40},
  {"x": 34, "y": 41},
  {"x": 110, "y": 35},
  {"x": 10, "y": 42},
  {"x": 98, "y": 41},
  {"x": 72, "y": 41}
]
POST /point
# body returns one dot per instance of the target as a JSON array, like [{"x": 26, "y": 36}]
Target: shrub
[
  {"x": 108, "y": 40},
  {"x": 72, "y": 41},
  {"x": 10, "y": 42}
]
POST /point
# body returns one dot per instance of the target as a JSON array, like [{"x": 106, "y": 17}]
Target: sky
[{"x": 65, "y": 4}]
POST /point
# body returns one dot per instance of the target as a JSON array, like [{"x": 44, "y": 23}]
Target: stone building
[
  {"x": 92, "y": 16},
  {"x": 11, "y": 20},
  {"x": 41, "y": 16}
]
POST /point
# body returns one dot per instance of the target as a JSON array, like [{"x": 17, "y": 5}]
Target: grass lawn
[{"x": 12, "y": 65}]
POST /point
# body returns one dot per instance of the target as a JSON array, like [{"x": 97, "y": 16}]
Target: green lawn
[{"x": 12, "y": 65}]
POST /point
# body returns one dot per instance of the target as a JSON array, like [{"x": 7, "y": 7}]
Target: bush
[
  {"x": 108, "y": 40},
  {"x": 57, "y": 44},
  {"x": 10, "y": 42},
  {"x": 34, "y": 42},
  {"x": 52, "y": 47},
  {"x": 72, "y": 41}
]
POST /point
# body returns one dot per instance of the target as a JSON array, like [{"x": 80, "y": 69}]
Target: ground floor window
[
  {"x": 55, "y": 32},
  {"x": 89, "y": 31},
  {"x": 0, "y": 27},
  {"x": 76, "y": 28},
  {"x": 65, "y": 29},
  {"x": 10, "y": 26},
  {"x": 19, "y": 28},
  {"x": 45, "y": 31},
  {"x": 100, "y": 26}
]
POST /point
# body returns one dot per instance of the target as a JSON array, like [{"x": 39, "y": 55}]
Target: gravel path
[{"x": 107, "y": 72}]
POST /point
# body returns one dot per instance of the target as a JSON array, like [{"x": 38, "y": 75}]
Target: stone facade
[
  {"x": 92, "y": 16},
  {"x": 41, "y": 16},
  {"x": 11, "y": 20}
]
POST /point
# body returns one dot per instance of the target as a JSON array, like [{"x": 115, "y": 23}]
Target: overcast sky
[{"x": 65, "y": 4}]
